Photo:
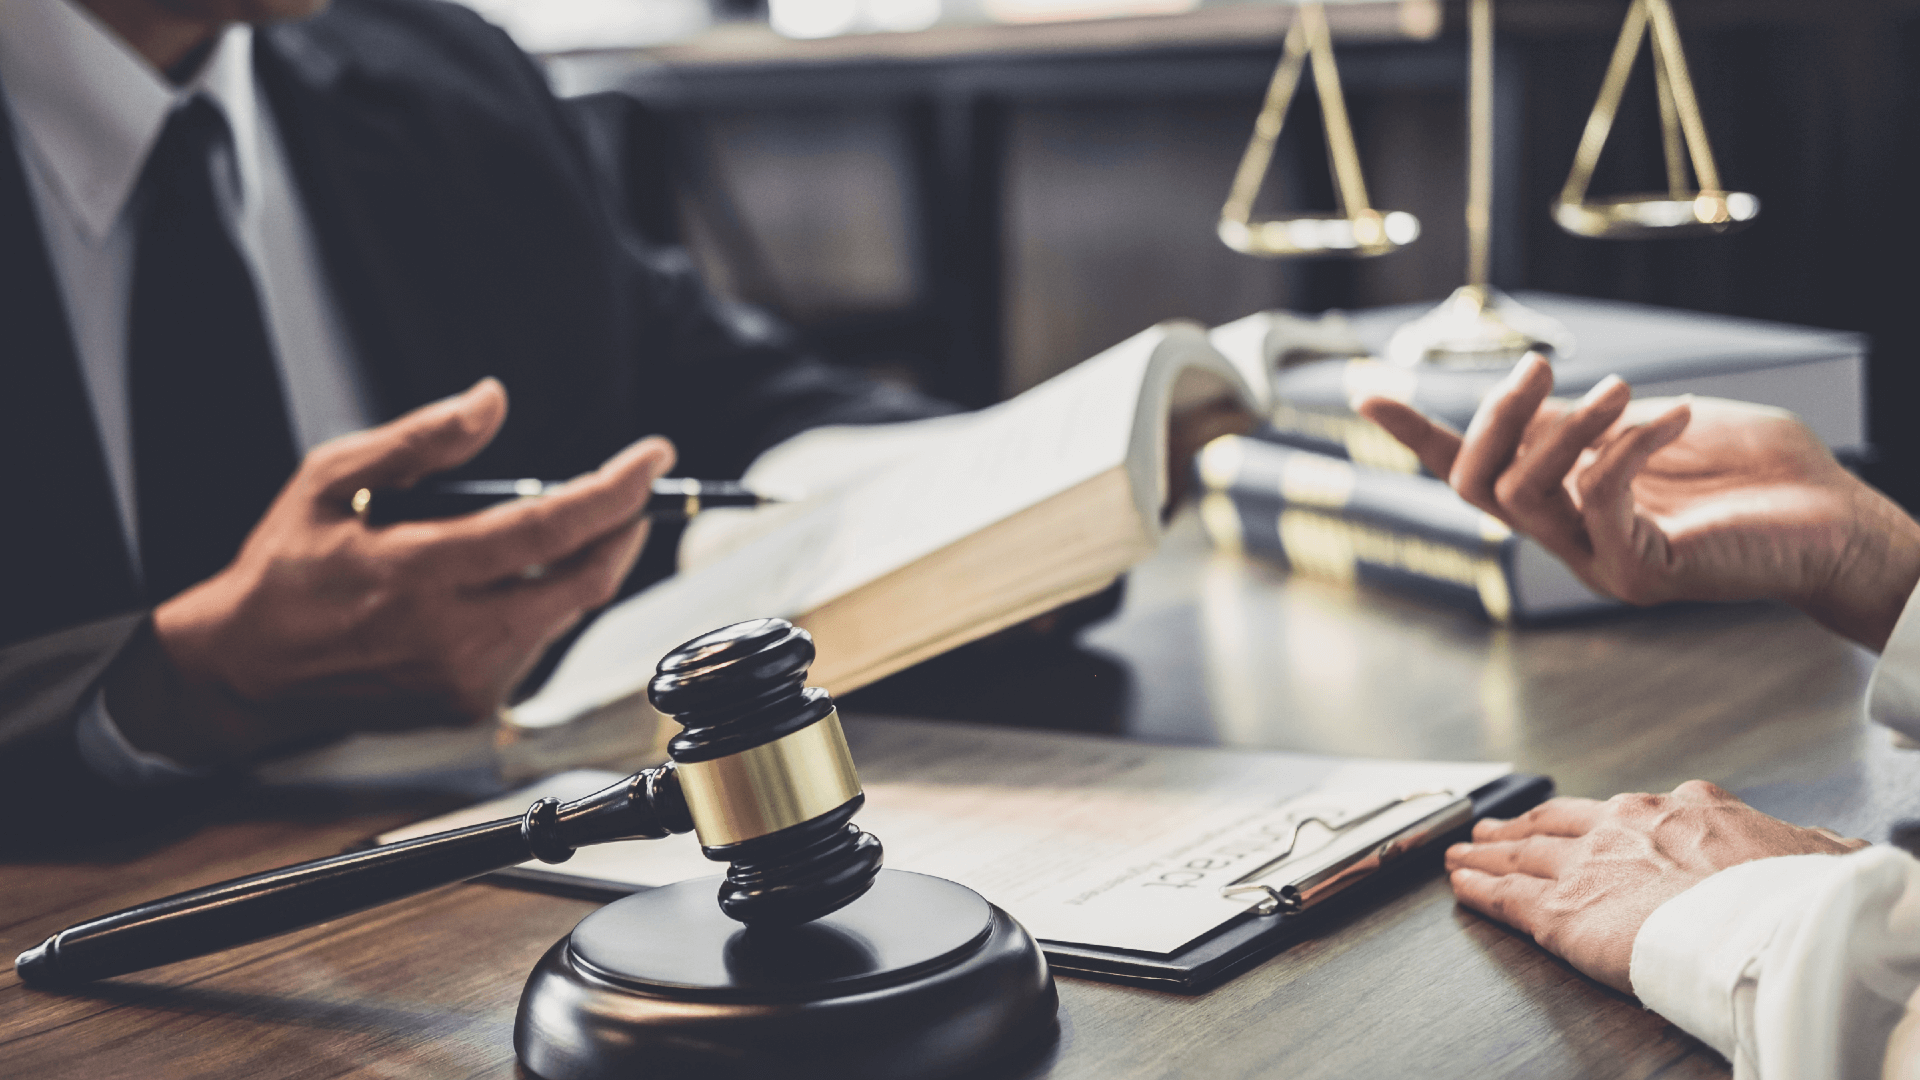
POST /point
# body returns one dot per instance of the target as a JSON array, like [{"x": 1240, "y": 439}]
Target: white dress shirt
[
  {"x": 1805, "y": 967},
  {"x": 86, "y": 111}
]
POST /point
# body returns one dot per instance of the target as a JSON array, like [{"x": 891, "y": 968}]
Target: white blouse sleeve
[
  {"x": 1893, "y": 694},
  {"x": 1795, "y": 968}
]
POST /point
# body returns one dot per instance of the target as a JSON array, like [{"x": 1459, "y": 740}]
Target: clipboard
[
  {"x": 1308, "y": 895},
  {"x": 1354, "y": 875}
]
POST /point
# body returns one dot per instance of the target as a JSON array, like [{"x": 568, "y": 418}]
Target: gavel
[
  {"x": 761, "y": 773},
  {"x": 814, "y": 961}
]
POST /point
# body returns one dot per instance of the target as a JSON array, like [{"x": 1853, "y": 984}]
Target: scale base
[
  {"x": 920, "y": 977},
  {"x": 1477, "y": 327}
]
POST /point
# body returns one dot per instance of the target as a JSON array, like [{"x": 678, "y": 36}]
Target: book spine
[
  {"x": 1328, "y": 547},
  {"x": 1338, "y": 432},
  {"x": 1258, "y": 469},
  {"x": 1314, "y": 402},
  {"x": 1325, "y": 518}
]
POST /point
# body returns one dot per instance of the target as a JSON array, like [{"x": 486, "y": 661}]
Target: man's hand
[
  {"x": 323, "y": 625},
  {"x": 1690, "y": 500},
  {"x": 1582, "y": 876}
]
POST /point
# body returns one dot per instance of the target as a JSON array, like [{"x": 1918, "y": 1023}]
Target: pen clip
[{"x": 1279, "y": 900}]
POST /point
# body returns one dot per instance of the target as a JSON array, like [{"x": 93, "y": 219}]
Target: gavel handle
[{"x": 247, "y": 909}]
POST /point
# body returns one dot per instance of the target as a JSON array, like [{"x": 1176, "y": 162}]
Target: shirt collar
[{"x": 93, "y": 107}]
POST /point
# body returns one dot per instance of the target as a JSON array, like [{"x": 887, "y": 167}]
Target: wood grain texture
[{"x": 1207, "y": 649}]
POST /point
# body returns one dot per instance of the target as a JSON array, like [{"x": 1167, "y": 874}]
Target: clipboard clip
[{"x": 1346, "y": 869}]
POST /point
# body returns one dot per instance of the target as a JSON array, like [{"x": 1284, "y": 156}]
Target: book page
[
  {"x": 1014, "y": 455},
  {"x": 1084, "y": 840},
  {"x": 1244, "y": 343},
  {"x": 962, "y": 477},
  {"x": 813, "y": 466}
]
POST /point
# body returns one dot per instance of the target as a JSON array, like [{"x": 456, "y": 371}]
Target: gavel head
[{"x": 766, "y": 773}]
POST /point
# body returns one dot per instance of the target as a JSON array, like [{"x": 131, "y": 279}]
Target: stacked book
[{"x": 1331, "y": 495}]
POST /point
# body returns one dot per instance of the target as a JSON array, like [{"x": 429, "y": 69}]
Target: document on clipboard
[{"x": 1126, "y": 860}]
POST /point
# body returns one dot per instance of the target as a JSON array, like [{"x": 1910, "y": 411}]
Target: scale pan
[
  {"x": 1362, "y": 235},
  {"x": 1649, "y": 217}
]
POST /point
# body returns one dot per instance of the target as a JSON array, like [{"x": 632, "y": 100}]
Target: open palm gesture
[{"x": 1665, "y": 499}]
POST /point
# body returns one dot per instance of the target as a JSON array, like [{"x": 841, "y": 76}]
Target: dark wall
[
  {"x": 1814, "y": 109},
  {"x": 1040, "y": 208}
]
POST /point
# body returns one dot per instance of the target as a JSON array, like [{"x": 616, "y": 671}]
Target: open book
[{"x": 907, "y": 540}]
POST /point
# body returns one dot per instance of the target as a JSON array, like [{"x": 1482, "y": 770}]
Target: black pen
[{"x": 673, "y": 497}]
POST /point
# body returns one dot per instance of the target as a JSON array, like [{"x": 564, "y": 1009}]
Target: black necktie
[{"x": 211, "y": 444}]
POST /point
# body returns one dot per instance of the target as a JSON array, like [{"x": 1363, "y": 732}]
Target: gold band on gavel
[{"x": 792, "y": 779}]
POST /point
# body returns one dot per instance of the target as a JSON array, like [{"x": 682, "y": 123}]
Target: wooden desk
[{"x": 1207, "y": 649}]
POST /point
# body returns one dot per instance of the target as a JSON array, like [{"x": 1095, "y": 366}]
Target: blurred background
[{"x": 971, "y": 195}]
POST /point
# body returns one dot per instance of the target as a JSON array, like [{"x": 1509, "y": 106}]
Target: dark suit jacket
[{"x": 466, "y": 233}]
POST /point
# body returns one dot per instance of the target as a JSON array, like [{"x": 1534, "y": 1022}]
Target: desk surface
[{"x": 1206, "y": 649}]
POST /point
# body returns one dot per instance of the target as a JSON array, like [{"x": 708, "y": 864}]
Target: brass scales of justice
[{"x": 1478, "y": 326}]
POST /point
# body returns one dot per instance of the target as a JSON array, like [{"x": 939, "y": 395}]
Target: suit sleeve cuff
[
  {"x": 1694, "y": 960},
  {"x": 1893, "y": 694},
  {"x": 107, "y": 752}
]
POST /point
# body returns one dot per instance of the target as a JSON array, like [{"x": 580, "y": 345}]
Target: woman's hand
[
  {"x": 1583, "y": 876},
  {"x": 1666, "y": 499}
]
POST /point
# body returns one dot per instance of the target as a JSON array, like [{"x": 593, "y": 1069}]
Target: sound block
[{"x": 919, "y": 977}]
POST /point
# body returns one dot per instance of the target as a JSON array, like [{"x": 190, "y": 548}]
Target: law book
[
  {"x": 1170, "y": 867},
  {"x": 902, "y": 541},
  {"x": 1328, "y": 518},
  {"x": 1322, "y": 365}
]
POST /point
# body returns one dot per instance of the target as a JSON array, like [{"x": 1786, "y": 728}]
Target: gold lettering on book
[
  {"x": 1220, "y": 463},
  {"x": 1314, "y": 480},
  {"x": 1331, "y": 548},
  {"x": 1319, "y": 545},
  {"x": 1221, "y": 519},
  {"x": 1494, "y": 594},
  {"x": 1366, "y": 443}
]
